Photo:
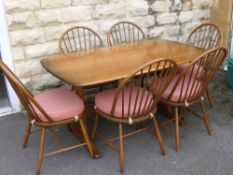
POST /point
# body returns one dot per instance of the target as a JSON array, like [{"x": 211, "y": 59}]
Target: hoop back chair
[
  {"x": 206, "y": 36},
  {"x": 188, "y": 87},
  {"x": 133, "y": 101},
  {"x": 79, "y": 38},
  {"x": 48, "y": 110},
  {"x": 125, "y": 32}
]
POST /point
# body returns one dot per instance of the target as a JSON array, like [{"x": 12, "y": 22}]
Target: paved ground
[{"x": 200, "y": 154}]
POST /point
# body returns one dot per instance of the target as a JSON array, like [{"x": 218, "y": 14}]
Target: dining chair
[
  {"x": 124, "y": 32},
  {"x": 47, "y": 110},
  {"x": 133, "y": 102},
  {"x": 79, "y": 38},
  {"x": 188, "y": 88},
  {"x": 206, "y": 36}
]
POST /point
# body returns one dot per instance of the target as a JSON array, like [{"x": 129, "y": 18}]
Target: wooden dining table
[{"x": 102, "y": 65}]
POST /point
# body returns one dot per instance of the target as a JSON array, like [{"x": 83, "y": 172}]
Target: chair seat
[
  {"x": 183, "y": 90},
  {"x": 60, "y": 104},
  {"x": 196, "y": 68},
  {"x": 104, "y": 102}
]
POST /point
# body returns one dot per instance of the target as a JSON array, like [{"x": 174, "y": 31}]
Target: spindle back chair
[
  {"x": 188, "y": 88},
  {"x": 79, "y": 38},
  {"x": 35, "y": 111},
  {"x": 205, "y": 36},
  {"x": 134, "y": 102},
  {"x": 125, "y": 32}
]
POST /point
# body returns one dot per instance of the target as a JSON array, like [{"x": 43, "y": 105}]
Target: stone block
[
  {"x": 23, "y": 20},
  {"x": 161, "y": 6},
  {"x": 186, "y": 16},
  {"x": 18, "y": 53},
  {"x": 27, "y": 37},
  {"x": 53, "y": 33},
  {"x": 201, "y": 4},
  {"x": 21, "y": 5},
  {"x": 41, "y": 50},
  {"x": 166, "y": 18},
  {"x": 43, "y": 81},
  {"x": 77, "y": 14},
  {"x": 137, "y": 7},
  {"x": 114, "y": 10},
  {"x": 49, "y": 17},
  {"x": 46, "y": 4},
  {"x": 155, "y": 32},
  {"x": 28, "y": 68}
]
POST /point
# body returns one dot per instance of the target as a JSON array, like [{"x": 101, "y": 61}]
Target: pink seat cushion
[
  {"x": 179, "y": 94},
  {"x": 104, "y": 101},
  {"x": 59, "y": 104},
  {"x": 196, "y": 68}
]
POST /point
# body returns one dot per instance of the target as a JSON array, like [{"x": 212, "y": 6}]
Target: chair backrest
[
  {"x": 25, "y": 96},
  {"x": 135, "y": 93},
  {"x": 79, "y": 38},
  {"x": 124, "y": 32},
  {"x": 194, "y": 80},
  {"x": 205, "y": 36}
]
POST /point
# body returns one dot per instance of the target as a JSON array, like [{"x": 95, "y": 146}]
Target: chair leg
[
  {"x": 177, "y": 129},
  {"x": 205, "y": 116},
  {"x": 159, "y": 137},
  {"x": 41, "y": 151},
  {"x": 121, "y": 148},
  {"x": 27, "y": 134},
  {"x": 86, "y": 137},
  {"x": 95, "y": 126},
  {"x": 209, "y": 97}
]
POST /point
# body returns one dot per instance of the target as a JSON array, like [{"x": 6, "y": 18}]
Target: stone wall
[{"x": 36, "y": 25}]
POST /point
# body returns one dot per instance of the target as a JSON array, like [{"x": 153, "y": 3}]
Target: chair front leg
[
  {"x": 95, "y": 125},
  {"x": 159, "y": 137},
  {"x": 121, "y": 148},
  {"x": 41, "y": 151},
  {"x": 86, "y": 137},
  {"x": 177, "y": 129},
  {"x": 209, "y": 97},
  {"x": 27, "y": 134},
  {"x": 205, "y": 116}
]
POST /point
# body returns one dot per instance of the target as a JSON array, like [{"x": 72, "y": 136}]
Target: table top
[{"x": 107, "y": 64}]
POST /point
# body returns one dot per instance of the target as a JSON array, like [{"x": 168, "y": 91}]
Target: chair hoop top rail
[
  {"x": 205, "y": 36},
  {"x": 79, "y": 38},
  {"x": 125, "y": 32}
]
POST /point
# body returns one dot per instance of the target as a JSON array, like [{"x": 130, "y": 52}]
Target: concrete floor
[{"x": 200, "y": 154}]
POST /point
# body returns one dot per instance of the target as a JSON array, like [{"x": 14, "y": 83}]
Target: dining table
[{"x": 103, "y": 65}]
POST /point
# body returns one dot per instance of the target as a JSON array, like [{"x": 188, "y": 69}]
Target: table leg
[{"x": 75, "y": 127}]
